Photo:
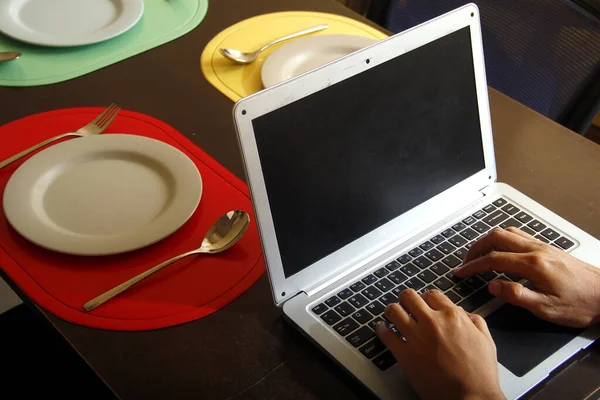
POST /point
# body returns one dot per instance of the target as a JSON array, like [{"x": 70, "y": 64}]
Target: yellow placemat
[{"x": 236, "y": 81}]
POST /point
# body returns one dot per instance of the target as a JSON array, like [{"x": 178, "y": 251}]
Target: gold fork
[{"x": 97, "y": 126}]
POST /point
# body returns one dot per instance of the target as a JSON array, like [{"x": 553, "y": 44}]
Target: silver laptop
[{"x": 375, "y": 173}]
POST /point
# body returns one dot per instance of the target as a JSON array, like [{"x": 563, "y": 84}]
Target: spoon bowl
[
  {"x": 9, "y": 55},
  {"x": 223, "y": 234}
]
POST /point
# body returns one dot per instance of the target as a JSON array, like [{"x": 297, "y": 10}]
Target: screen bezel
[{"x": 351, "y": 256}]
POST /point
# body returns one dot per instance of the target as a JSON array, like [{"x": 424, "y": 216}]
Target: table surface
[{"x": 247, "y": 350}]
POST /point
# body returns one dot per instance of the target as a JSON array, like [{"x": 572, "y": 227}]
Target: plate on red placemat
[{"x": 102, "y": 194}]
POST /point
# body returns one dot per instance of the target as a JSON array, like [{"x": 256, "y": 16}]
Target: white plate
[
  {"x": 68, "y": 22},
  {"x": 102, "y": 194},
  {"x": 308, "y": 53}
]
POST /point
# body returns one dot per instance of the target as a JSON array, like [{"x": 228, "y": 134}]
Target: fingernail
[
  {"x": 380, "y": 326},
  {"x": 458, "y": 270},
  {"x": 494, "y": 288}
]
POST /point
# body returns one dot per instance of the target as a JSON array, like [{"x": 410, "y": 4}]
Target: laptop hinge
[{"x": 386, "y": 251}]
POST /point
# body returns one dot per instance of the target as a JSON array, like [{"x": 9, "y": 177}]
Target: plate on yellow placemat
[{"x": 236, "y": 81}]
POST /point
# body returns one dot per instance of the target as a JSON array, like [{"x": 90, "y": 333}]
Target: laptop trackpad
[{"x": 523, "y": 340}]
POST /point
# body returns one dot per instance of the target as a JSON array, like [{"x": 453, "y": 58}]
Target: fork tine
[
  {"x": 109, "y": 117},
  {"x": 99, "y": 117},
  {"x": 102, "y": 118}
]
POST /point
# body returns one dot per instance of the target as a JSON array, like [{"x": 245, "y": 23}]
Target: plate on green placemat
[{"x": 68, "y": 22}]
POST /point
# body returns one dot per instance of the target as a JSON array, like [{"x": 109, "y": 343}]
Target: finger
[
  {"x": 513, "y": 263},
  {"x": 414, "y": 304},
  {"x": 498, "y": 239},
  {"x": 436, "y": 300},
  {"x": 390, "y": 339},
  {"x": 480, "y": 323},
  {"x": 399, "y": 317},
  {"x": 519, "y": 232},
  {"x": 517, "y": 294}
]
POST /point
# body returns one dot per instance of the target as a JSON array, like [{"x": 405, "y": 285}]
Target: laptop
[{"x": 376, "y": 173}]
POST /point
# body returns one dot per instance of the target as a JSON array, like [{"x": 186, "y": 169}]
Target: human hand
[
  {"x": 565, "y": 291},
  {"x": 448, "y": 353}
]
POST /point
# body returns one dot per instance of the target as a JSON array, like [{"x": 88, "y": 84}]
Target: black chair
[{"x": 543, "y": 53}]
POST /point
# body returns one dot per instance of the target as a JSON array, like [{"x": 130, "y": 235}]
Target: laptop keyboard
[{"x": 354, "y": 311}]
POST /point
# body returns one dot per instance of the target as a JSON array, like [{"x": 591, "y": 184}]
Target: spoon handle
[
  {"x": 104, "y": 297},
  {"x": 293, "y": 35}
]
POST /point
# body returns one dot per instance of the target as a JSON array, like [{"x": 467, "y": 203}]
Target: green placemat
[{"x": 163, "y": 21}]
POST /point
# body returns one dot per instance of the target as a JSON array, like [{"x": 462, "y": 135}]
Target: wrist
[{"x": 490, "y": 394}]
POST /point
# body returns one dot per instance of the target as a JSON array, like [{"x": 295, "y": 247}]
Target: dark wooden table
[{"x": 246, "y": 350}]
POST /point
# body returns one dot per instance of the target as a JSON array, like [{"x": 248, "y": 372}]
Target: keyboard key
[
  {"x": 480, "y": 214},
  {"x": 541, "y": 238},
  {"x": 422, "y": 262},
  {"x": 388, "y": 298},
  {"x": 331, "y": 317},
  {"x": 446, "y": 247},
  {"x": 372, "y": 348},
  {"x": 434, "y": 255},
  {"x": 414, "y": 283},
  {"x": 358, "y": 300},
  {"x": 381, "y": 272},
  {"x": 536, "y": 225},
  {"x": 499, "y": 203},
  {"x": 448, "y": 232},
  {"x": 450, "y": 275},
  {"x": 476, "y": 300},
  {"x": 469, "y": 220},
  {"x": 360, "y": 336},
  {"x": 523, "y": 217},
  {"x": 469, "y": 245},
  {"x": 397, "y": 277},
  {"x": 369, "y": 279},
  {"x": 495, "y": 218},
  {"x": 437, "y": 239},
  {"x": 461, "y": 253},
  {"x": 443, "y": 284},
  {"x": 319, "y": 308},
  {"x": 513, "y": 277},
  {"x": 427, "y": 276},
  {"x": 550, "y": 234},
  {"x": 426, "y": 246},
  {"x": 463, "y": 289},
  {"x": 458, "y": 241},
  {"x": 481, "y": 227},
  {"x": 439, "y": 269},
  {"x": 469, "y": 234},
  {"x": 475, "y": 282},
  {"x": 362, "y": 316},
  {"x": 452, "y": 261},
  {"x": 459, "y": 226},
  {"x": 332, "y": 301},
  {"x": 488, "y": 275},
  {"x": 527, "y": 229},
  {"x": 345, "y": 309},
  {"x": 452, "y": 296},
  {"x": 510, "y": 222},
  {"x": 385, "y": 285},
  {"x": 372, "y": 292},
  {"x": 344, "y": 294},
  {"x": 398, "y": 289},
  {"x": 384, "y": 361},
  {"x": 510, "y": 209},
  {"x": 416, "y": 252},
  {"x": 427, "y": 289},
  {"x": 564, "y": 243},
  {"x": 405, "y": 258},
  {"x": 410, "y": 269},
  {"x": 489, "y": 208},
  {"x": 357, "y": 287},
  {"x": 392, "y": 265},
  {"x": 375, "y": 308},
  {"x": 346, "y": 326}
]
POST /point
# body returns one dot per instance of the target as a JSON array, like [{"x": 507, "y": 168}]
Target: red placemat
[{"x": 187, "y": 290}]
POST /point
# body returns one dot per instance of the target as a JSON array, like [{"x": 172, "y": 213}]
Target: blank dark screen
[{"x": 347, "y": 159}]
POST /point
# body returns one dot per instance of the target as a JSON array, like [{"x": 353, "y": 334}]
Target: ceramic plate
[
  {"x": 102, "y": 194},
  {"x": 68, "y": 22},
  {"x": 307, "y": 53}
]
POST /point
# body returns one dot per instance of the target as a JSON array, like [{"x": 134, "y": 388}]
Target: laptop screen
[{"x": 347, "y": 159}]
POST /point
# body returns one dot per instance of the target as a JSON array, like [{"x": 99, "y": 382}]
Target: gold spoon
[{"x": 224, "y": 233}]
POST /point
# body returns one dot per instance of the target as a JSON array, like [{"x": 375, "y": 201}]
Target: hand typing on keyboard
[
  {"x": 448, "y": 353},
  {"x": 565, "y": 290}
]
